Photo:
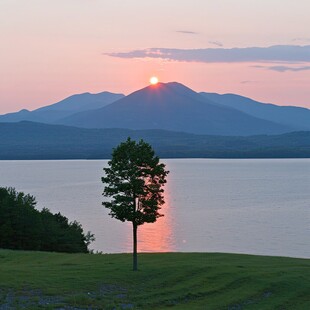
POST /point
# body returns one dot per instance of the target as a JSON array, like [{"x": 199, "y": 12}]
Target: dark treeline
[
  {"x": 27, "y": 140},
  {"x": 22, "y": 227}
]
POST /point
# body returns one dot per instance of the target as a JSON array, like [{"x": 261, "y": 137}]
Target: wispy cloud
[
  {"x": 272, "y": 54},
  {"x": 217, "y": 43},
  {"x": 248, "y": 82},
  {"x": 284, "y": 68},
  {"x": 187, "y": 32},
  {"x": 301, "y": 40}
]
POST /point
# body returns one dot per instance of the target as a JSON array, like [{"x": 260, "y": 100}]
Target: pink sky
[{"x": 53, "y": 49}]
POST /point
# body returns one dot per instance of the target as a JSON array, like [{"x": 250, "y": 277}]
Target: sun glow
[{"x": 154, "y": 80}]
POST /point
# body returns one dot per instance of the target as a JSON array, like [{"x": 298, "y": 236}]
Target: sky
[{"x": 51, "y": 49}]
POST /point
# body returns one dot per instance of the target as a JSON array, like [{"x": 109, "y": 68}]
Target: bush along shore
[
  {"x": 43, "y": 280},
  {"x": 22, "y": 227}
]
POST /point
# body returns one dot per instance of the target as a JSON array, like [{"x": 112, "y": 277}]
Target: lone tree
[{"x": 135, "y": 180}]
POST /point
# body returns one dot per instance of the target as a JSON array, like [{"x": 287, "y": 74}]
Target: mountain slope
[
  {"x": 28, "y": 140},
  {"x": 173, "y": 106},
  {"x": 83, "y": 102},
  {"x": 63, "y": 108},
  {"x": 295, "y": 117}
]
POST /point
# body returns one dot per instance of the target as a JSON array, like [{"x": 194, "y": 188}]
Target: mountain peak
[
  {"x": 172, "y": 106},
  {"x": 165, "y": 90},
  {"x": 175, "y": 86}
]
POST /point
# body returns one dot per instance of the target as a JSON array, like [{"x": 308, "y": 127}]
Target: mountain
[
  {"x": 295, "y": 117},
  {"x": 28, "y": 140},
  {"x": 173, "y": 106},
  {"x": 61, "y": 109},
  {"x": 83, "y": 102}
]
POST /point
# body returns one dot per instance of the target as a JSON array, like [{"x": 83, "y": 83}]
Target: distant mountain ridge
[
  {"x": 83, "y": 102},
  {"x": 28, "y": 140},
  {"x": 173, "y": 106},
  {"x": 170, "y": 106},
  {"x": 71, "y": 105},
  {"x": 295, "y": 117}
]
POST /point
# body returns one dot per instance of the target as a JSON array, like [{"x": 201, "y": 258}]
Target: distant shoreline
[
  {"x": 162, "y": 158},
  {"x": 36, "y": 141}
]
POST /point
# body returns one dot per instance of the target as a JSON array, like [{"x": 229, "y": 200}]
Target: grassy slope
[{"x": 182, "y": 280}]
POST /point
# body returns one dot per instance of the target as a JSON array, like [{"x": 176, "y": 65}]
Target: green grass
[{"x": 38, "y": 280}]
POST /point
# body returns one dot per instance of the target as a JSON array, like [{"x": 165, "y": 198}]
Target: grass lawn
[{"x": 39, "y": 280}]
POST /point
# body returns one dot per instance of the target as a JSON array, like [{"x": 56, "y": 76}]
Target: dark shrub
[{"x": 22, "y": 227}]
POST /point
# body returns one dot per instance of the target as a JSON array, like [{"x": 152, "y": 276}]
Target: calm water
[{"x": 239, "y": 206}]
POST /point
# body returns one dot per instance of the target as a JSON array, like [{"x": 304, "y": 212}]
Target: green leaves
[
  {"x": 23, "y": 227},
  {"x": 134, "y": 181}
]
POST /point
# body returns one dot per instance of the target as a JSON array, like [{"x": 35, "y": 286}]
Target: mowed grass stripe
[{"x": 178, "y": 280}]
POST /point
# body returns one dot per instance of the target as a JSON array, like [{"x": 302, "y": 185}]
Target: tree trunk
[{"x": 135, "y": 256}]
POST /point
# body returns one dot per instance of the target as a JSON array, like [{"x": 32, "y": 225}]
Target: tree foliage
[
  {"x": 134, "y": 182},
  {"x": 135, "y": 179},
  {"x": 22, "y": 227}
]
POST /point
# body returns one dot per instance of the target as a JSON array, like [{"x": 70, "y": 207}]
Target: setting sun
[{"x": 153, "y": 80}]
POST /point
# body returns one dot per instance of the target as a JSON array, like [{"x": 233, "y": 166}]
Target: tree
[
  {"x": 135, "y": 180},
  {"x": 22, "y": 227}
]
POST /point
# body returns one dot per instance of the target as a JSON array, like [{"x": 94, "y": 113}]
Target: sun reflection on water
[{"x": 158, "y": 236}]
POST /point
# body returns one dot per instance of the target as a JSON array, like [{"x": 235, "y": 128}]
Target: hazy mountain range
[
  {"x": 28, "y": 140},
  {"x": 69, "y": 106},
  {"x": 176, "y": 120},
  {"x": 172, "y": 107},
  {"x": 294, "y": 117}
]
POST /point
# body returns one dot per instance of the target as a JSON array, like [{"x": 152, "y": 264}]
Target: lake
[{"x": 255, "y": 206}]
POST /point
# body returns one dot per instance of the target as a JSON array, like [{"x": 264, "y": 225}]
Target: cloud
[
  {"x": 301, "y": 40},
  {"x": 248, "y": 82},
  {"x": 277, "y": 53},
  {"x": 217, "y": 43},
  {"x": 187, "y": 32},
  {"x": 284, "y": 68}
]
